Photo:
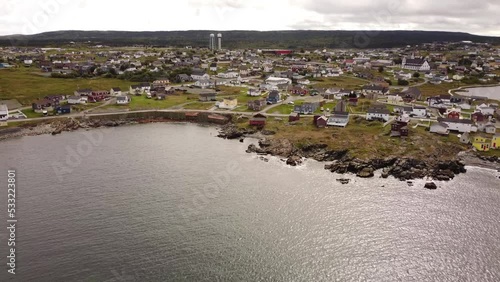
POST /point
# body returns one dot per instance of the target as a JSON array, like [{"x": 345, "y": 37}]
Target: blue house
[
  {"x": 64, "y": 109},
  {"x": 274, "y": 97}
]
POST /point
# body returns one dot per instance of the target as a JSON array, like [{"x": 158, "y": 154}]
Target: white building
[
  {"x": 378, "y": 113},
  {"x": 75, "y": 100},
  {"x": 4, "y": 113},
  {"x": 415, "y": 64},
  {"x": 278, "y": 80},
  {"x": 460, "y": 125},
  {"x": 419, "y": 111},
  {"x": 122, "y": 100}
]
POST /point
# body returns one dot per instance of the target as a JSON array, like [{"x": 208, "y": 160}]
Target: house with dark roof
[
  {"x": 273, "y": 97},
  {"x": 375, "y": 89},
  {"x": 378, "y": 113},
  {"x": 440, "y": 128},
  {"x": 460, "y": 125},
  {"x": 306, "y": 108},
  {"x": 415, "y": 64}
]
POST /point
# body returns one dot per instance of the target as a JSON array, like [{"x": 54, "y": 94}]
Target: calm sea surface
[
  {"x": 487, "y": 92},
  {"x": 171, "y": 202}
]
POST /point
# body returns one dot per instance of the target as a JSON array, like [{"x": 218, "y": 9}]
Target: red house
[
  {"x": 454, "y": 115},
  {"x": 477, "y": 117},
  {"x": 258, "y": 120},
  {"x": 293, "y": 117},
  {"x": 299, "y": 91},
  {"x": 320, "y": 121}
]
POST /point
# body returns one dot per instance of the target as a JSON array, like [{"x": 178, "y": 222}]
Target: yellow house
[
  {"x": 229, "y": 104},
  {"x": 481, "y": 143},
  {"x": 495, "y": 142}
]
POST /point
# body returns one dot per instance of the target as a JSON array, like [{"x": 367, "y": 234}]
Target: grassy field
[
  {"x": 429, "y": 90},
  {"x": 199, "y": 106},
  {"x": 27, "y": 85},
  {"x": 341, "y": 82}
]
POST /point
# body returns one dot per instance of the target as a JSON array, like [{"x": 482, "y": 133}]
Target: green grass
[
  {"x": 31, "y": 114},
  {"x": 341, "y": 82},
  {"x": 281, "y": 109},
  {"x": 143, "y": 103},
  {"x": 199, "y": 106},
  {"x": 25, "y": 86}
]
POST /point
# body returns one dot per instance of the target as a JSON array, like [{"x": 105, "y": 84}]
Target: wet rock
[
  {"x": 242, "y": 140},
  {"x": 366, "y": 172},
  {"x": 294, "y": 161},
  {"x": 268, "y": 132},
  {"x": 344, "y": 180},
  {"x": 430, "y": 185}
]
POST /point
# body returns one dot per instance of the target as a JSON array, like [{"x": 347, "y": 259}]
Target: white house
[
  {"x": 486, "y": 110},
  {"x": 122, "y": 100},
  {"x": 4, "y": 113},
  {"x": 228, "y": 75},
  {"x": 394, "y": 99},
  {"x": 115, "y": 91},
  {"x": 254, "y": 92},
  {"x": 460, "y": 125},
  {"x": 439, "y": 128},
  {"x": 304, "y": 81},
  {"x": 278, "y": 80},
  {"x": 419, "y": 111},
  {"x": 200, "y": 76},
  {"x": 378, "y": 113},
  {"x": 415, "y": 64},
  {"x": 75, "y": 100},
  {"x": 204, "y": 83}
]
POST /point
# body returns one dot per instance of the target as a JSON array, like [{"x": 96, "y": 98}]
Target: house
[
  {"x": 4, "y": 113},
  {"x": 161, "y": 83},
  {"x": 294, "y": 117},
  {"x": 83, "y": 92},
  {"x": 320, "y": 121},
  {"x": 394, "y": 99},
  {"x": 203, "y": 83},
  {"x": 278, "y": 80},
  {"x": 375, "y": 89},
  {"x": 415, "y": 64},
  {"x": 399, "y": 129},
  {"x": 378, "y": 113},
  {"x": 481, "y": 143},
  {"x": 411, "y": 94},
  {"x": 419, "y": 111},
  {"x": 486, "y": 110},
  {"x": 213, "y": 67},
  {"x": 258, "y": 120},
  {"x": 440, "y": 128},
  {"x": 228, "y": 75},
  {"x": 183, "y": 78},
  {"x": 115, "y": 91},
  {"x": 136, "y": 89},
  {"x": 41, "y": 104},
  {"x": 340, "y": 119},
  {"x": 453, "y": 114},
  {"x": 306, "y": 108},
  {"x": 460, "y": 125},
  {"x": 353, "y": 102},
  {"x": 75, "y": 100},
  {"x": 199, "y": 75},
  {"x": 254, "y": 92},
  {"x": 298, "y": 91},
  {"x": 274, "y": 97},
  {"x": 123, "y": 100},
  {"x": 256, "y": 105},
  {"x": 206, "y": 97},
  {"x": 495, "y": 141},
  {"x": 64, "y": 109},
  {"x": 244, "y": 71},
  {"x": 477, "y": 117},
  {"x": 229, "y": 103},
  {"x": 490, "y": 128},
  {"x": 465, "y": 138}
]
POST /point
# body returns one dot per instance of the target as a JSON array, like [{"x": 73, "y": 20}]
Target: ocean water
[
  {"x": 171, "y": 202},
  {"x": 492, "y": 92}
]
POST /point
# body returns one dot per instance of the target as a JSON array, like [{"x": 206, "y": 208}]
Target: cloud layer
[{"x": 35, "y": 16}]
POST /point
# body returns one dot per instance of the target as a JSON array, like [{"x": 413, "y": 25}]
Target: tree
[
  {"x": 416, "y": 75},
  {"x": 402, "y": 82},
  {"x": 381, "y": 69}
]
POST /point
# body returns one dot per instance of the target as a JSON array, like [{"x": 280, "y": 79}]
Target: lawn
[
  {"x": 347, "y": 82},
  {"x": 31, "y": 114},
  {"x": 429, "y": 90},
  {"x": 143, "y": 103},
  {"x": 199, "y": 106},
  {"x": 25, "y": 86}
]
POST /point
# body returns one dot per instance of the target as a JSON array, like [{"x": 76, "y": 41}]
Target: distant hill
[{"x": 247, "y": 39}]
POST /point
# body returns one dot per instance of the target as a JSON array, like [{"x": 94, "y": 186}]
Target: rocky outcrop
[
  {"x": 430, "y": 186},
  {"x": 230, "y": 131},
  {"x": 401, "y": 168}
]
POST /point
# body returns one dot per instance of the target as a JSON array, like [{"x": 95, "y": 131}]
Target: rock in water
[
  {"x": 294, "y": 161},
  {"x": 366, "y": 172},
  {"x": 343, "y": 180},
  {"x": 242, "y": 139},
  {"x": 430, "y": 185}
]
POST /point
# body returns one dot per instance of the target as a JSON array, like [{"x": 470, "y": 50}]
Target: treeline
[{"x": 248, "y": 39}]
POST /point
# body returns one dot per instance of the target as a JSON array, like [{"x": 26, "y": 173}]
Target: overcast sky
[{"x": 35, "y": 16}]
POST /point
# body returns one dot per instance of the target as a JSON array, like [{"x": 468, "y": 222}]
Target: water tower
[
  {"x": 211, "y": 44},
  {"x": 219, "y": 41}
]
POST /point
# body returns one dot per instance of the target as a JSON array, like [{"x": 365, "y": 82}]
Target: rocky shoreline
[{"x": 401, "y": 168}]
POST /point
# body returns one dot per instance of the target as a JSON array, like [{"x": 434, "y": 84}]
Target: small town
[{"x": 402, "y": 90}]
